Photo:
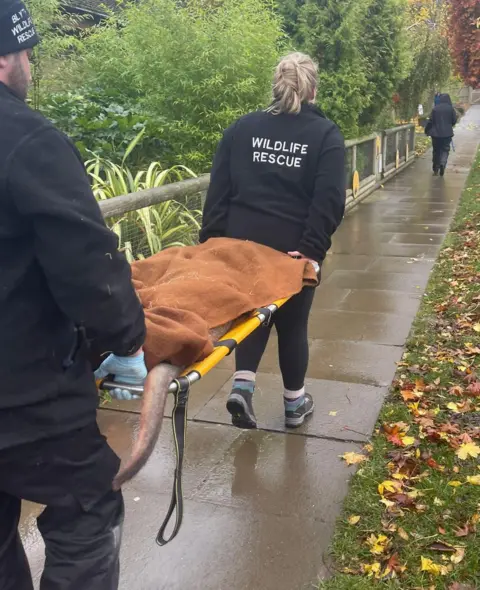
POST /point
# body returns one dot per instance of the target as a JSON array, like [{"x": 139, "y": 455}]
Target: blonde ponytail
[{"x": 294, "y": 84}]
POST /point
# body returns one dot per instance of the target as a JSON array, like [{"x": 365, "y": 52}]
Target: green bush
[
  {"x": 97, "y": 124},
  {"x": 194, "y": 70},
  {"x": 146, "y": 231}
]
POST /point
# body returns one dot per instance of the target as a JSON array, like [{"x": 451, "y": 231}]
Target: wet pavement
[{"x": 261, "y": 506}]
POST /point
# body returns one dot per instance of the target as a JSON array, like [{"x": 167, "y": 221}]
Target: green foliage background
[{"x": 184, "y": 70}]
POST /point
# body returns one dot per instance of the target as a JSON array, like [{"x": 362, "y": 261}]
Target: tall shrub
[
  {"x": 464, "y": 29},
  {"x": 331, "y": 30},
  {"x": 196, "y": 66},
  {"x": 384, "y": 46},
  {"x": 427, "y": 29},
  {"x": 361, "y": 49}
]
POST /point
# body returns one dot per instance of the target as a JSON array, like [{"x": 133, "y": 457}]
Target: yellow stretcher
[{"x": 180, "y": 388}]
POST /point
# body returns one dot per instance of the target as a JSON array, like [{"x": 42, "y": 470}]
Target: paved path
[{"x": 261, "y": 506}]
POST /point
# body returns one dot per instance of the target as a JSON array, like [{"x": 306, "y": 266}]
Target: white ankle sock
[
  {"x": 244, "y": 376},
  {"x": 293, "y": 395}
]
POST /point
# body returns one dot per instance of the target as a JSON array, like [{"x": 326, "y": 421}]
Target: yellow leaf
[
  {"x": 433, "y": 568},
  {"x": 389, "y": 486},
  {"x": 369, "y": 448},
  {"x": 438, "y": 502},
  {"x": 453, "y": 406},
  {"x": 332, "y": 413},
  {"x": 372, "y": 570},
  {"x": 468, "y": 450},
  {"x": 476, "y": 327},
  {"x": 353, "y": 458},
  {"x": 408, "y": 440},
  {"x": 474, "y": 480},
  {"x": 455, "y": 484},
  {"x": 354, "y": 520},
  {"x": 403, "y": 534},
  {"x": 379, "y": 544}
]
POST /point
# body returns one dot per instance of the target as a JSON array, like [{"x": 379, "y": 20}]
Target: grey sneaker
[
  {"x": 240, "y": 406},
  {"x": 295, "y": 418}
]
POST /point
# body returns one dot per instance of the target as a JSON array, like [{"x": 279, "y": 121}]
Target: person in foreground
[
  {"x": 440, "y": 128},
  {"x": 278, "y": 180},
  {"x": 62, "y": 281}
]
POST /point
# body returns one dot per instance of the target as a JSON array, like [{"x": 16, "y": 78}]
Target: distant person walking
[{"x": 440, "y": 128}]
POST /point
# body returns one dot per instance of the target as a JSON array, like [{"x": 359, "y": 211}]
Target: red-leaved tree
[{"x": 464, "y": 32}]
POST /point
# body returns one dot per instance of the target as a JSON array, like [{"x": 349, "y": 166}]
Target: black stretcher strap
[{"x": 179, "y": 425}]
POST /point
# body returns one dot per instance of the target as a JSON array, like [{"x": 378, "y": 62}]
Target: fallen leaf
[
  {"x": 455, "y": 484},
  {"x": 468, "y": 450},
  {"x": 332, "y": 413},
  {"x": 393, "y": 567},
  {"x": 476, "y": 327},
  {"x": 474, "y": 480},
  {"x": 474, "y": 388},
  {"x": 449, "y": 428},
  {"x": 442, "y": 547},
  {"x": 434, "y": 465},
  {"x": 463, "y": 531},
  {"x": 403, "y": 534},
  {"x": 353, "y": 458},
  {"x": 453, "y": 406},
  {"x": 438, "y": 502},
  {"x": 369, "y": 448},
  {"x": 458, "y": 556},
  {"x": 441, "y": 530},
  {"x": 458, "y": 586},
  {"x": 410, "y": 396},
  {"x": 354, "y": 520},
  {"x": 408, "y": 441},
  {"x": 395, "y": 439},
  {"x": 378, "y": 545},
  {"x": 372, "y": 569},
  {"x": 433, "y": 568},
  {"x": 456, "y": 390},
  {"x": 389, "y": 486}
]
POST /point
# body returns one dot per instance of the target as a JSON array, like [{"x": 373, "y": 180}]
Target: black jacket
[
  {"x": 278, "y": 180},
  {"x": 442, "y": 119},
  {"x": 60, "y": 274}
]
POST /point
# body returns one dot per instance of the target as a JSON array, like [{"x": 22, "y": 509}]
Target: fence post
[
  {"x": 377, "y": 157},
  {"x": 384, "y": 152},
  {"x": 397, "y": 153}
]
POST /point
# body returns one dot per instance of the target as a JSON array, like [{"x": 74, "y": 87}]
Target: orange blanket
[{"x": 187, "y": 291}]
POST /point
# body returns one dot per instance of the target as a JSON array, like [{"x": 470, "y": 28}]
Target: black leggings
[
  {"x": 441, "y": 150},
  {"x": 291, "y": 322}
]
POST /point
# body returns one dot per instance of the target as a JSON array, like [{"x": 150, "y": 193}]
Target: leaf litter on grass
[{"x": 417, "y": 490}]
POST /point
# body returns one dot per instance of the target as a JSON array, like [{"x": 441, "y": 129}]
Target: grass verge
[{"x": 411, "y": 519}]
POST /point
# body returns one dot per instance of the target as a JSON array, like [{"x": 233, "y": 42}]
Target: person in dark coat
[
  {"x": 62, "y": 282},
  {"x": 278, "y": 179},
  {"x": 440, "y": 128}
]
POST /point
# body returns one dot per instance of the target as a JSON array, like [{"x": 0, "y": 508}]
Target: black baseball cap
[{"x": 17, "y": 31}]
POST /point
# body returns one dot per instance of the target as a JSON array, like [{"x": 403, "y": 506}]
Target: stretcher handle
[{"x": 133, "y": 389}]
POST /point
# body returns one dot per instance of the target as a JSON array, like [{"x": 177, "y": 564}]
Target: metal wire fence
[{"x": 149, "y": 221}]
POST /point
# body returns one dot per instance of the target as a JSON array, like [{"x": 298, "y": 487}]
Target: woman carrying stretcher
[{"x": 278, "y": 179}]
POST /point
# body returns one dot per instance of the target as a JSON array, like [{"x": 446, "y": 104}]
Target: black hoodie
[
  {"x": 60, "y": 272},
  {"x": 278, "y": 180},
  {"x": 443, "y": 118}
]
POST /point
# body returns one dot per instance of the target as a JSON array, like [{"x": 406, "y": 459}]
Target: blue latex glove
[{"x": 130, "y": 370}]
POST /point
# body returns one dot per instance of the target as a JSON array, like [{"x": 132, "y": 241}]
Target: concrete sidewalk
[{"x": 261, "y": 506}]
